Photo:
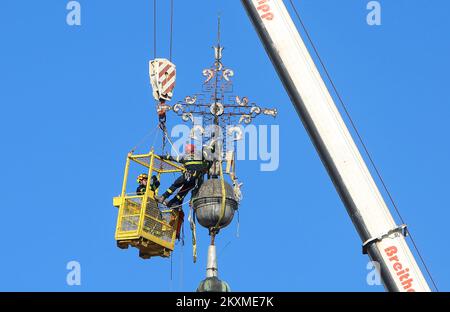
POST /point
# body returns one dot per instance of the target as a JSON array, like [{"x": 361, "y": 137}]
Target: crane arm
[{"x": 382, "y": 239}]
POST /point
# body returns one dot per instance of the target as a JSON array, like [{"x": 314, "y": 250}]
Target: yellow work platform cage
[{"x": 140, "y": 222}]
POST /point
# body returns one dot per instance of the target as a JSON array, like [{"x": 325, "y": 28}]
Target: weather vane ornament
[{"x": 217, "y": 106}]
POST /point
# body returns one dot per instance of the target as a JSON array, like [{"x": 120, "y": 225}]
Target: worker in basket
[
  {"x": 142, "y": 180},
  {"x": 196, "y": 166}
]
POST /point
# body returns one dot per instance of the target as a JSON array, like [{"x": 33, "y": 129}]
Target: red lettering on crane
[
  {"x": 391, "y": 251},
  {"x": 265, "y": 10},
  {"x": 397, "y": 266},
  {"x": 402, "y": 274}
]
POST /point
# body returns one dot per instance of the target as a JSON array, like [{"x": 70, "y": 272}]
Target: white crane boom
[{"x": 382, "y": 239}]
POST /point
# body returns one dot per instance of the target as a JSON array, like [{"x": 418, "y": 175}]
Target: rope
[
  {"x": 154, "y": 28},
  {"x": 171, "y": 269},
  {"x": 154, "y": 139},
  {"x": 219, "y": 254},
  {"x": 181, "y": 265},
  {"x": 366, "y": 150},
  {"x": 182, "y": 231},
  {"x": 168, "y": 139},
  {"x": 238, "y": 225},
  {"x": 180, "y": 205},
  {"x": 229, "y": 242},
  {"x": 143, "y": 139}
]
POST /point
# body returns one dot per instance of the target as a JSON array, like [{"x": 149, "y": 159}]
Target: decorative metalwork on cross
[{"x": 216, "y": 104}]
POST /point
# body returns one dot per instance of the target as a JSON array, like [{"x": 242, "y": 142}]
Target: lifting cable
[
  {"x": 162, "y": 120},
  {"x": 155, "y": 29},
  {"x": 162, "y": 124},
  {"x": 366, "y": 150},
  {"x": 171, "y": 30}
]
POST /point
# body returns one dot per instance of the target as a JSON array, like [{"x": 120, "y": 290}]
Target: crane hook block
[{"x": 162, "y": 78}]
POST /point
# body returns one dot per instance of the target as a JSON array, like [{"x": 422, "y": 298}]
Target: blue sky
[{"x": 75, "y": 100}]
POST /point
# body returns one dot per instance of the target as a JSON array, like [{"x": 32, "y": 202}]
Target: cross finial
[{"x": 218, "y": 49}]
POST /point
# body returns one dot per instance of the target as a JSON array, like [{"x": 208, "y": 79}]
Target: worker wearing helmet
[
  {"x": 142, "y": 179},
  {"x": 196, "y": 166}
]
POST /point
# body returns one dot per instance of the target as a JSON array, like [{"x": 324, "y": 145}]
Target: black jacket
[
  {"x": 141, "y": 189},
  {"x": 192, "y": 162}
]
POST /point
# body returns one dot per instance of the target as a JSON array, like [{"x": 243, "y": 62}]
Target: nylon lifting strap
[
  {"x": 191, "y": 219},
  {"x": 222, "y": 184}
]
